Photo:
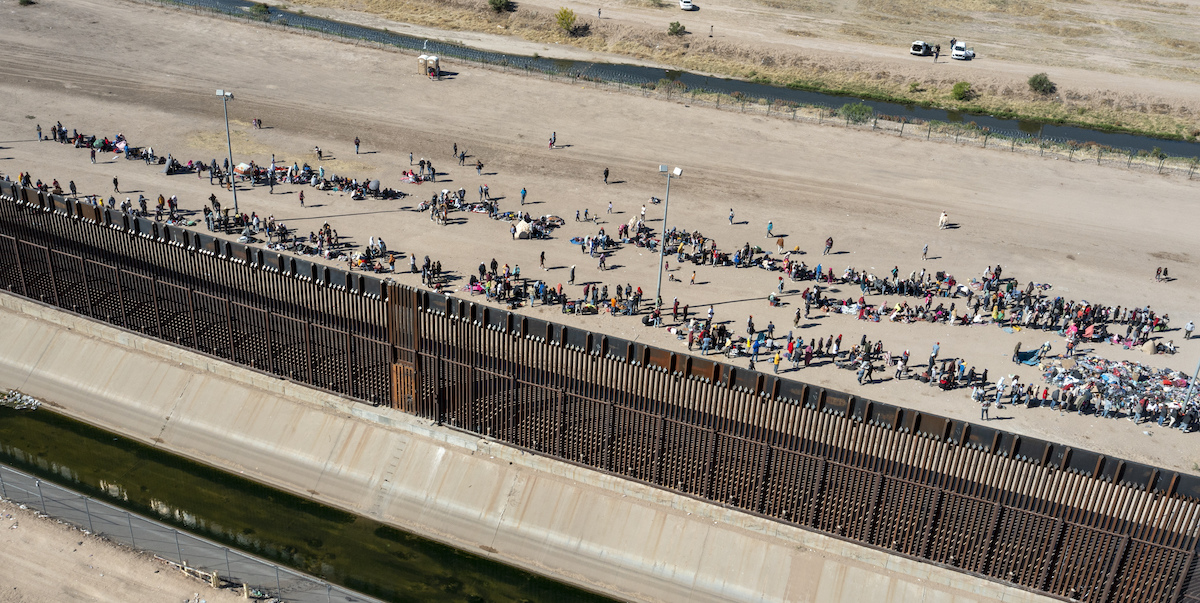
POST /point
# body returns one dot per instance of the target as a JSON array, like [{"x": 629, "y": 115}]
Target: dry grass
[
  {"x": 1060, "y": 30},
  {"x": 1137, "y": 27},
  {"x": 917, "y": 9},
  {"x": 1172, "y": 6},
  {"x": 802, "y": 33},
  {"x": 1188, "y": 46},
  {"x": 647, "y": 3},
  {"x": 798, "y": 6}
]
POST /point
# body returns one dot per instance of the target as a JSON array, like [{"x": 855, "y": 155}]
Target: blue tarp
[{"x": 1030, "y": 357}]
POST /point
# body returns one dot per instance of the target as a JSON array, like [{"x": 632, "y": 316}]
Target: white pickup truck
[{"x": 961, "y": 52}]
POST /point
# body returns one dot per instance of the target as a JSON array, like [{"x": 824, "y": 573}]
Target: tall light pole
[
  {"x": 1187, "y": 399},
  {"x": 662, "y": 245},
  {"x": 225, "y": 98}
]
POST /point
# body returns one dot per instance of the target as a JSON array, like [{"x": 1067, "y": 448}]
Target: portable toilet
[
  {"x": 434, "y": 65},
  {"x": 423, "y": 65}
]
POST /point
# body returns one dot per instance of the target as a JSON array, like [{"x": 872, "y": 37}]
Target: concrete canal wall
[{"x": 577, "y": 525}]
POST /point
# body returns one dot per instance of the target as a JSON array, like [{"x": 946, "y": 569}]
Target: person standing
[
  {"x": 478, "y": 167},
  {"x": 1187, "y": 329},
  {"x": 410, "y": 158},
  {"x": 542, "y": 260},
  {"x": 301, "y": 198},
  {"x": 356, "y": 143},
  {"x": 770, "y": 227},
  {"x": 39, "y": 131},
  {"x": 775, "y": 362},
  {"x": 571, "y": 277},
  {"x": 71, "y": 185},
  {"x": 730, "y": 213},
  {"x": 943, "y": 221},
  {"x": 925, "y": 252},
  {"x": 606, "y": 175},
  {"x": 116, "y": 188},
  {"x": 1016, "y": 353},
  {"x": 937, "y": 50},
  {"x": 93, "y": 154},
  {"x": 610, "y": 207},
  {"x": 523, "y": 192},
  {"x": 828, "y": 246}
]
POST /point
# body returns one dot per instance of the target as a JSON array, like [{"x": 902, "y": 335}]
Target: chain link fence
[
  {"x": 199, "y": 557},
  {"x": 648, "y": 82}
]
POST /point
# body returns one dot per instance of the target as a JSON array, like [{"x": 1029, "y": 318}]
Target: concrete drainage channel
[
  {"x": 221, "y": 566},
  {"x": 247, "y": 532}
]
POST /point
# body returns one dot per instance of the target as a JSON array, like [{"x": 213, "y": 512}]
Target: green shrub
[
  {"x": 914, "y": 87},
  {"x": 962, "y": 91},
  {"x": 1041, "y": 84},
  {"x": 565, "y": 18},
  {"x": 26, "y": 2},
  {"x": 499, "y": 6},
  {"x": 676, "y": 28},
  {"x": 670, "y": 85},
  {"x": 260, "y": 9},
  {"x": 856, "y": 112}
]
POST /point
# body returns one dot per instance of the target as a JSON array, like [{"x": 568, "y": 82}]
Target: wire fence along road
[
  {"x": 649, "y": 82},
  {"x": 99, "y": 517}
]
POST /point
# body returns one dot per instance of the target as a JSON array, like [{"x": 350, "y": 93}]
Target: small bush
[
  {"x": 856, "y": 112},
  {"x": 260, "y": 9},
  {"x": 565, "y": 18},
  {"x": 676, "y": 28},
  {"x": 499, "y": 6},
  {"x": 962, "y": 91},
  {"x": 671, "y": 85},
  {"x": 26, "y": 2},
  {"x": 1041, "y": 84},
  {"x": 914, "y": 87}
]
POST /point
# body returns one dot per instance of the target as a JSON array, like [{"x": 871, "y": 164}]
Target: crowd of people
[{"x": 922, "y": 296}]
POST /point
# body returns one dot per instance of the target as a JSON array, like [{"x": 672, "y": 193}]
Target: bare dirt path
[
  {"x": 44, "y": 560},
  {"x": 1095, "y": 233}
]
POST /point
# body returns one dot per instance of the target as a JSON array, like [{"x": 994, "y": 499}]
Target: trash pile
[
  {"x": 19, "y": 401},
  {"x": 1123, "y": 381}
]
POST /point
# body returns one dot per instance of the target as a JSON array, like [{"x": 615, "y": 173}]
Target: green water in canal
[{"x": 340, "y": 547}]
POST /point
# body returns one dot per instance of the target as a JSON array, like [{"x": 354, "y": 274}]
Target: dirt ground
[
  {"x": 1108, "y": 58},
  {"x": 1094, "y": 233},
  {"x": 44, "y": 560}
]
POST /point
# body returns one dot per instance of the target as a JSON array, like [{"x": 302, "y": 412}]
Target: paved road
[{"x": 165, "y": 541}]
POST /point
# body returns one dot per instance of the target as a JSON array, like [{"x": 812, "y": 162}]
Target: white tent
[{"x": 524, "y": 229}]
